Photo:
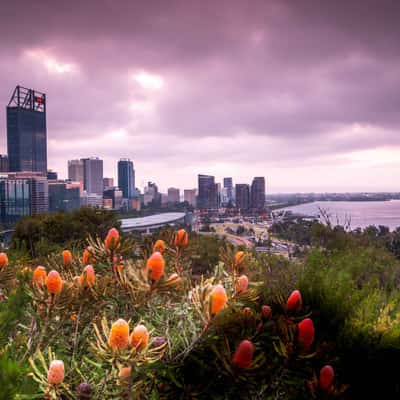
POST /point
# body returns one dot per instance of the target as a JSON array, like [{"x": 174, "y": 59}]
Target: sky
[{"x": 305, "y": 93}]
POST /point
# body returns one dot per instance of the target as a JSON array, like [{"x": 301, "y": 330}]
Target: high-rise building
[
  {"x": 258, "y": 193},
  {"x": 173, "y": 195},
  {"x": 93, "y": 175},
  {"x": 52, "y": 175},
  {"x": 151, "y": 194},
  {"x": 3, "y": 163},
  {"x": 75, "y": 170},
  {"x": 207, "y": 192},
  {"x": 26, "y": 131},
  {"x": 189, "y": 195},
  {"x": 22, "y": 194},
  {"x": 126, "y": 178},
  {"x": 242, "y": 196},
  {"x": 108, "y": 183},
  {"x": 63, "y": 197},
  {"x": 115, "y": 195},
  {"x": 228, "y": 192}
]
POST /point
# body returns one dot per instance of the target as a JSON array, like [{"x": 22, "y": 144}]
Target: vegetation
[{"x": 179, "y": 316}]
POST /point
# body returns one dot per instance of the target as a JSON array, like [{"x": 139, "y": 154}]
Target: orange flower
[
  {"x": 73, "y": 317},
  {"x": 306, "y": 333},
  {"x": 88, "y": 257},
  {"x": 119, "y": 335},
  {"x": 67, "y": 257},
  {"x": 295, "y": 302},
  {"x": 326, "y": 377},
  {"x": 56, "y": 372},
  {"x": 155, "y": 266},
  {"x": 3, "y": 260},
  {"x": 239, "y": 257},
  {"x": 39, "y": 276},
  {"x": 218, "y": 299},
  {"x": 243, "y": 357},
  {"x": 88, "y": 276},
  {"x": 159, "y": 245},
  {"x": 139, "y": 337},
  {"x": 242, "y": 284},
  {"x": 112, "y": 239},
  {"x": 181, "y": 238},
  {"x": 124, "y": 374},
  {"x": 54, "y": 282}
]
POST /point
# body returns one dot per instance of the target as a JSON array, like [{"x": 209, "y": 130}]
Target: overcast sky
[{"x": 305, "y": 93}]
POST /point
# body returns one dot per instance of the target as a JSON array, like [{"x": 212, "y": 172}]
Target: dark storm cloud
[{"x": 297, "y": 74}]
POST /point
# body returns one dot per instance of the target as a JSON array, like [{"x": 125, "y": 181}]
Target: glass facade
[
  {"x": 207, "y": 198},
  {"x": 126, "y": 178}
]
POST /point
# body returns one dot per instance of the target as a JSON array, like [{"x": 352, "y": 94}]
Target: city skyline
[{"x": 312, "y": 105}]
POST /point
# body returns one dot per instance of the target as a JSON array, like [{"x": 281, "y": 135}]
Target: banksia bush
[
  {"x": 326, "y": 377},
  {"x": 56, "y": 372},
  {"x": 112, "y": 239},
  {"x": 181, "y": 238},
  {"x": 306, "y": 333},
  {"x": 39, "y": 276},
  {"x": 54, "y": 282},
  {"x": 243, "y": 357},
  {"x": 88, "y": 276},
  {"x": 159, "y": 246},
  {"x": 139, "y": 338},
  {"x": 218, "y": 299},
  {"x": 294, "y": 302},
  {"x": 155, "y": 266},
  {"x": 67, "y": 257},
  {"x": 3, "y": 260},
  {"x": 119, "y": 335}
]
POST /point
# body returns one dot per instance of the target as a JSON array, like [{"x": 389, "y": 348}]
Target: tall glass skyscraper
[
  {"x": 258, "y": 193},
  {"x": 26, "y": 131},
  {"x": 207, "y": 197},
  {"x": 93, "y": 175},
  {"x": 126, "y": 178}
]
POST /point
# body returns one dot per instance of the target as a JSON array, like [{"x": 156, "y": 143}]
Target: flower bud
[
  {"x": 119, "y": 335},
  {"x": 67, "y": 257},
  {"x": 266, "y": 312},
  {"x": 84, "y": 391},
  {"x": 239, "y": 257},
  {"x": 39, "y": 276},
  {"x": 159, "y": 245},
  {"x": 306, "y": 333},
  {"x": 242, "y": 284},
  {"x": 294, "y": 302},
  {"x": 112, "y": 239},
  {"x": 155, "y": 266},
  {"x": 139, "y": 337},
  {"x": 326, "y": 377},
  {"x": 243, "y": 357},
  {"x": 56, "y": 372},
  {"x": 181, "y": 238},
  {"x": 3, "y": 260},
  {"x": 218, "y": 299},
  {"x": 88, "y": 277},
  {"x": 54, "y": 282}
]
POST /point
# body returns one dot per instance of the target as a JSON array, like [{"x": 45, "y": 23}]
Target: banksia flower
[
  {"x": 88, "y": 277},
  {"x": 67, "y": 257},
  {"x": 84, "y": 391},
  {"x": 54, "y": 282},
  {"x": 124, "y": 374},
  {"x": 266, "y": 312},
  {"x": 218, "y": 299},
  {"x": 155, "y": 266},
  {"x": 159, "y": 245},
  {"x": 87, "y": 257},
  {"x": 326, "y": 377},
  {"x": 181, "y": 238},
  {"x": 306, "y": 333},
  {"x": 243, "y": 357},
  {"x": 242, "y": 284},
  {"x": 139, "y": 337},
  {"x": 119, "y": 335},
  {"x": 112, "y": 239},
  {"x": 56, "y": 372},
  {"x": 3, "y": 260},
  {"x": 295, "y": 302},
  {"x": 239, "y": 257},
  {"x": 39, "y": 276}
]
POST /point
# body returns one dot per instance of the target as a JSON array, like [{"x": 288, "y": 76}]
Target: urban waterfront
[{"x": 361, "y": 213}]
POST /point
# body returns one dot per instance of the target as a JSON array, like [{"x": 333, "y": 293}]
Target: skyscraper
[
  {"x": 189, "y": 195},
  {"x": 242, "y": 196},
  {"x": 258, "y": 193},
  {"x": 75, "y": 170},
  {"x": 228, "y": 186},
  {"x": 26, "y": 131},
  {"x": 207, "y": 197},
  {"x": 93, "y": 175},
  {"x": 126, "y": 178},
  {"x": 173, "y": 195},
  {"x": 3, "y": 163}
]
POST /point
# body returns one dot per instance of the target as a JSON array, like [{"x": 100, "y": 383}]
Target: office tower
[
  {"x": 75, "y": 170},
  {"x": 3, "y": 163},
  {"x": 151, "y": 194},
  {"x": 173, "y": 195},
  {"x": 63, "y": 197},
  {"x": 126, "y": 178},
  {"x": 207, "y": 193},
  {"x": 26, "y": 131},
  {"x": 189, "y": 195},
  {"x": 108, "y": 183},
  {"x": 52, "y": 175},
  {"x": 242, "y": 196},
  {"x": 22, "y": 194},
  {"x": 228, "y": 192},
  {"x": 258, "y": 193},
  {"x": 93, "y": 175}
]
